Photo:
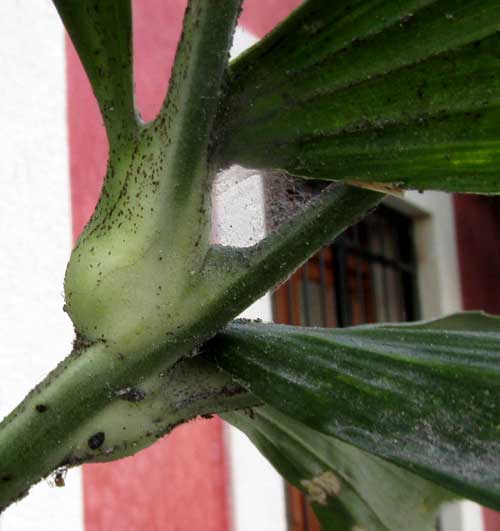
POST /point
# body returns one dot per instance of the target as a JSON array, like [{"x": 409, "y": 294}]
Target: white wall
[{"x": 35, "y": 232}]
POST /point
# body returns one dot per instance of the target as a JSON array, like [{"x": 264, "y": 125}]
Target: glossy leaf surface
[
  {"x": 405, "y": 93},
  {"x": 425, "y": 396},
  {"x": 348, "y": 488}
]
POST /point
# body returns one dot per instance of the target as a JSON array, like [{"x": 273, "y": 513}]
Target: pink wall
[
  {"x": 477, "y": 221},
  {"x": 478, "y": 235},
  {"x": 261, "y": 16}
]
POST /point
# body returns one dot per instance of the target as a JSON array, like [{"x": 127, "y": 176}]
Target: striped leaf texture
[
  {"x": 424, "y": 396},
  {"x": 348, "y": 488},
  {"x": 400, "y": 92}
]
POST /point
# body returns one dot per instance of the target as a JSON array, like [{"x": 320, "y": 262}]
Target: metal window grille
[{"x": 367, "y": 275}]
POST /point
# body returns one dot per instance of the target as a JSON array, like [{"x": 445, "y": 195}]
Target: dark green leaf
[
  {"x": 425, "y": 396},
  {"x": 102, "y": 35},
  {"x": 399, "y": 92},
  {"x": 349, "y": 489}
]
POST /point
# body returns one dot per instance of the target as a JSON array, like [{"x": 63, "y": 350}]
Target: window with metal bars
[{"x": 368, "y": 275}]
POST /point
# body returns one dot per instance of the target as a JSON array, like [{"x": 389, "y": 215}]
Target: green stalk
[
  {"x": 92, "y": 392},
  {"x": 102, "y": 35},
  {"x": 97, "y": 406},
  {"x": 129, "y": 276},
  {"x": 144, "y": 288}
]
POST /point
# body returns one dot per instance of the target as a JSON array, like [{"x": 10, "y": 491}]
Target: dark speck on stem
[{"x": 96, "y": 440}]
